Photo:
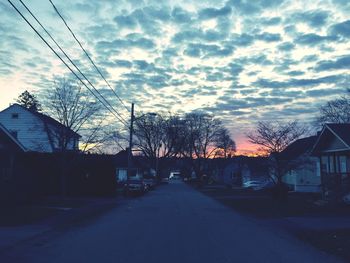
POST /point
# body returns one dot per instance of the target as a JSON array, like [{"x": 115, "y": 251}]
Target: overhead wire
[
  {"x": 87, "y": 55},
  {"x": 70, "y": 60},
  {"x": 64, "y": 62}
]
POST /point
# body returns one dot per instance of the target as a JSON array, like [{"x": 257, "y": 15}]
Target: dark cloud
[
  {"x": 310, "y": 58},
  {"x": 205, "y": 51},
  {"x": 180, "y": 15},
  {"x": 227, "y": 103},
  {"x": 141, "y": 64},
  {"x": 242, "y": 40},
  {"x": 342, "y": 62},
  {"x": 213, "y": 77},
  {"x": 295, "y": 73},
  {"x": 132, "y": 40},
  {"x": 123, "y": 63},
  {"x": 341, "y": 29},
  {"x": 259, "y": 59},
  {"x": 209, "y": 13},
  {"x": 297, "y": 83},
  {"x": 271, "y": 21},
  {"x": 313, "y": 39},
  {"x": 198, "y": 34},
  {"x": 126, "y": 21},
  {"x": 244, "y": 7},
  {"x": 101, "y": 31},
  {"x": 269, "y": 37},
  {"x": 248, "y": 7},
  {"x": 323, "y": 92},
  {"x": 314, "y": 18},
  {"x": 286, "y": 46},
  {"x": 235, "y": 69}
]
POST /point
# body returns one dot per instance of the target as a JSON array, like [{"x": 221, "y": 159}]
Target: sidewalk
[{"x": 26, "y": 222}]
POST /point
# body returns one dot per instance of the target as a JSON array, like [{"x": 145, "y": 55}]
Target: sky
[{"x": 242, "y": 61}]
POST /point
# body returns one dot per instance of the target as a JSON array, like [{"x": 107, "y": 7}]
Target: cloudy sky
[{"x": 244, "y": 61}]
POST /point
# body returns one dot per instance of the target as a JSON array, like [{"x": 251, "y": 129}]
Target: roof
[
  {"x": 342, "y": 130},
  {"x": 12, "y": 139},
  {"x": 298, "y": 148},
  {"x": 49, "y": 120},
  {"x": 121, "y": 159}
]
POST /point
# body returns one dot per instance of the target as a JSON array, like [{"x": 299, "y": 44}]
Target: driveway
[{"x": 171, "y": 224}]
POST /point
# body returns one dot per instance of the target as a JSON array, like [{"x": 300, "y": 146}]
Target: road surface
[{"x": 174, "y": 223}]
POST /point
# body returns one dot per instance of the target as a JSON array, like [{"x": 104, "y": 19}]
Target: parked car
[
  {"x": 175, "y": 175},
  {"x": 252, "y": 184},
  {"x": 150, "y": 183},
  {"x": 135, "y": 186},
  {"x": 259, "y": 185},
  {"x": 175, "y": 178},
  {"x": 164, "y": 180}
]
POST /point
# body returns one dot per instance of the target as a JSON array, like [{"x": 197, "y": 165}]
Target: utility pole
[{"x": 130, "y": 141}]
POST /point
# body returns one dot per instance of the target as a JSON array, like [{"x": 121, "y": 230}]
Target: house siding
[
  {"x": 306, "y": 178},
  {"x": 30, "y": 129}
]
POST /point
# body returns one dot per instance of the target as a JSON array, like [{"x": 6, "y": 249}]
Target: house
[
  {"x": 255, "y": 169},
  {"x": 139, "y": 167},
  {"x": 38, "y": 132},
  {"x": 9, "y": 146},
  {"x": 301, "y": 170},
  {"x": 8, "y": 143},
  {"x": 332, "y": 148},
  {"x": 121, "y": 164},
  {"x": 238, "y": 170}
]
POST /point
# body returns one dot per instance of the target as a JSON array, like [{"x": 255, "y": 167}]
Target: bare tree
[
  {"x": 335, "y": 111},
  {"x": 149, "y": 132},
  {"x": 273, "y": 139},
  {"x": 226, "y": 146},
  {"x": 73, "y": 107},
  {"x": 172, "y": 140},
  {"x": 200, "y": 133}
]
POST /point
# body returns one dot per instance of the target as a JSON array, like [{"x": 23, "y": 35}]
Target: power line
[
  {"x": 43, "y": 39},
  {"x": 88, "y": 56},
  {"x": 65, "y": 54}
]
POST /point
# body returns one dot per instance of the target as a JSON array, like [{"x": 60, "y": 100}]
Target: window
[
  {"x": 318, "y": 169},
  {"x": 324, "y": 164},
  {"x": 342, "y": 160},
  {"x": 14, "y": 115}
]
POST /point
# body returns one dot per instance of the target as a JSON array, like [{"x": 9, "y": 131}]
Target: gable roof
[
  {"x": 298, "y": 148},
  {"x": 48, "y": 120},
  {"x": 339, "y": 130},
  {"x": 12, "y": 139}
]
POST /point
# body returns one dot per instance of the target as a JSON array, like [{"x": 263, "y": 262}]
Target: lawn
[{"x": 261, "y": 205}]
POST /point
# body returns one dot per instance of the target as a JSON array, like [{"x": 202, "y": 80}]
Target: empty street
[{"x": 174, "y": 223}]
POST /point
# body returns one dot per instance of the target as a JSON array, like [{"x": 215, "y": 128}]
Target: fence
[{"x": 25, "y": 177}]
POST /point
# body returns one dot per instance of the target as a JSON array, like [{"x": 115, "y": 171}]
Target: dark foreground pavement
[{"x": 172, "y": 224}]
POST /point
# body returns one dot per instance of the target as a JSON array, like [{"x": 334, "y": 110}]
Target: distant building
[
  {"x": 238, "y": 170},
  {"x": 303, "y": 170},
  {"x": 38, "y": 132},
  {"x": 333, "y": 150}
]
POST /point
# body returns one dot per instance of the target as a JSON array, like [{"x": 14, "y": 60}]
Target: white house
[
  {"x": 302, "y": 171},
  {"x": 333, "y": 151},
  {"x": 38, "y": 132}
]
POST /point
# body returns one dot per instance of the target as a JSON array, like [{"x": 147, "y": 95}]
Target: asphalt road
[{"x": 174, "y": 223}]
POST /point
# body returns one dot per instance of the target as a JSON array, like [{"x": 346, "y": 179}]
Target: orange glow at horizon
[{"x": 247, "y": 149}]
